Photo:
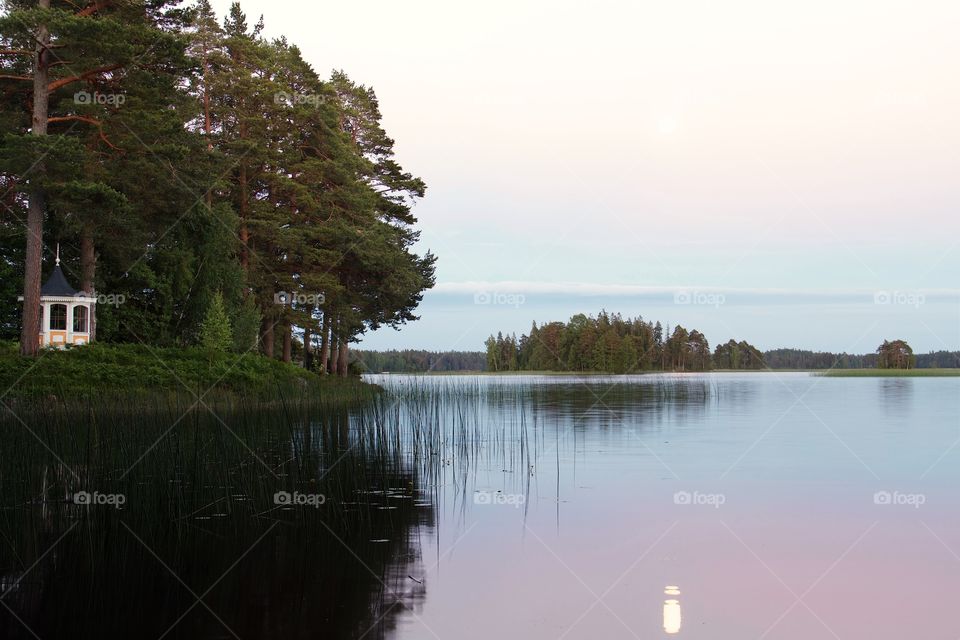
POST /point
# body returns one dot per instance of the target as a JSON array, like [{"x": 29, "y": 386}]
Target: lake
[{"x": 720, "y": 506}]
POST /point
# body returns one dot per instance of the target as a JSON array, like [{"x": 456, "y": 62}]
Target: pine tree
[
  {"x": 215, "y": 332},
  {"x": 246, "y": 326}
]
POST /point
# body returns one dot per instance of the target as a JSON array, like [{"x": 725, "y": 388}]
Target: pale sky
[{"x": 797, "y": 161}]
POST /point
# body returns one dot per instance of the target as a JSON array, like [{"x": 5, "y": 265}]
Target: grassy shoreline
[
  {"x": 832, "y": 373},
  {"x": 134, "y": 370},
  {"x": 889, "y": 373},
  {"x": 561, "y": 373}
]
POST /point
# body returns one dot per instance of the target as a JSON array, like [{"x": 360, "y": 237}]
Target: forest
[{"x": 193, "y": 171}]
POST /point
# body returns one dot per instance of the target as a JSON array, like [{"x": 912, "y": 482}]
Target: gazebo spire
[{"x": 58, "y": 254}]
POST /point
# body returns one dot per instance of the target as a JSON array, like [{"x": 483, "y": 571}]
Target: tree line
[
  {"x": 731, "y": 355},
  {"x": 786, "y": 358},
  {"x": 610, "y": 343},
  {"x": 417, "y": 361},
  {"x": 891, "y": 354},
  {"x": 192, "y": 169}
]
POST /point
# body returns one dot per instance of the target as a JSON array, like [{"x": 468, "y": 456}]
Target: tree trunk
[
  {"x": 244, "y": 233},
  {"x": 307, "y": 349},
  {"x": 334, "y": 343},
  {"x": 287, "y": 342},
  {"x": 30, "y": 329},
  {"x": 88, "y": 273},
  {"x": 343, "y": 361},
  {"x": 207, "y": 128},
  {"x": 324, "y": 343},
  {"x": 266, "y": 337},
  {"x": 244, "y": 208}
]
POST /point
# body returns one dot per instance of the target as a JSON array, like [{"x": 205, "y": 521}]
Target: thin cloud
[{"x": 630, "y": 290}]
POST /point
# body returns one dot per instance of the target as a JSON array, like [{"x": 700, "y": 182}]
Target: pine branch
[
  {"x": 94, "y": 7},
  {"x": 88, "y": 120},
  {"x": 8, "y": 77},
  {"x": 86, "y": 75},
  {"x": 15, "y": 52}
]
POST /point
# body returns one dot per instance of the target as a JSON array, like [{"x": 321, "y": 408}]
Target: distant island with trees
[{"x": 610, "y": 343}]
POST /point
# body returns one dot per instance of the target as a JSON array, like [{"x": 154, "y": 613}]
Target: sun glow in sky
[{"x": 737, "y": 146}]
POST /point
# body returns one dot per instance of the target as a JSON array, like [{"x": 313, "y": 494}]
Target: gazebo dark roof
[{"x": 57, "y": 285}]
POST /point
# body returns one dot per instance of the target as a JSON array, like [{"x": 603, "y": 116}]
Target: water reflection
[
  {"x": 896, "y": 395},
  {"x": 671, "y": 611},
  {"x": 608, "y": 403},
  {"x": 201, "y": 549}
]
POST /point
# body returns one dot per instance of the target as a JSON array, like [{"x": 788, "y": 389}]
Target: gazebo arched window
[
  {"x": 58, "y": 317},
  {"x": 80, "y": 314}
]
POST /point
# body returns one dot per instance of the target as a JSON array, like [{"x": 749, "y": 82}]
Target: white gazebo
[{"x": 66, "y": 315}]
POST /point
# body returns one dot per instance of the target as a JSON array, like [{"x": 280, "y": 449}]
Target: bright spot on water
[{"x": 671, "y": 616}]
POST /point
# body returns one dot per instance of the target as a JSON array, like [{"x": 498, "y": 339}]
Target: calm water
[
  {"x": 778, "y": 506},
  {"x": 720, "y": 506}
]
